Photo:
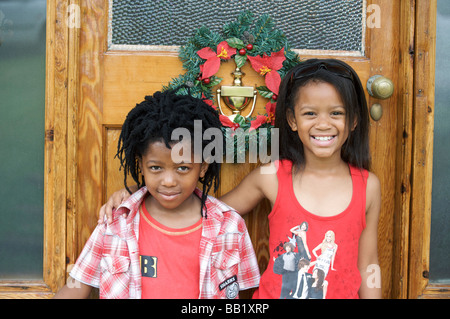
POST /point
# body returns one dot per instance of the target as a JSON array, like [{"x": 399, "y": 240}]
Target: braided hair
[{"x": 154, "y": 119}]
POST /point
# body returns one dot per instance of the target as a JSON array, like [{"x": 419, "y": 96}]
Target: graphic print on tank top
[
  {"x": 303, "y": 275},
  {"x": 311, "y": 256}
]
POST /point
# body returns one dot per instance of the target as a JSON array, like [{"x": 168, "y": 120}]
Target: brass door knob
[
  {"x": 376, "y": 112},
  {"x": 380, "y": 87}
]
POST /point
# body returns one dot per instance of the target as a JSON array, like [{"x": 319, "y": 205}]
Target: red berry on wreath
[
  {"x": 242, "y": 51},
  {"x": 274, "y": 97},
  {"x": 249, "y": 47},
  {"x": 207, "y": 81}
]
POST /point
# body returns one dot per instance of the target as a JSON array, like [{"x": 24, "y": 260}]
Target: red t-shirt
[
  {"x": 169, "y": 259},
  {"x": 335, "y": 241}
]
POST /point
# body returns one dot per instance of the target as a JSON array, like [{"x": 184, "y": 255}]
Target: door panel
[
  {"x": 310, "y": 25},
  {"x": 113, "y": 81}
]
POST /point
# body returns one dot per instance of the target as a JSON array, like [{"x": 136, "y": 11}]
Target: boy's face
[{"x": 170, "y": 183}]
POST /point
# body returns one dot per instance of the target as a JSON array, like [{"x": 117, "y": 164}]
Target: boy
[{"x": 158, "y": 245}]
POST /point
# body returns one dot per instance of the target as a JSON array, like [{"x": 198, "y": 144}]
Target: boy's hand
[{"x": 113, "y": 202}]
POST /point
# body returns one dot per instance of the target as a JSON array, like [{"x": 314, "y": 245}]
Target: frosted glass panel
[
  {"x": 22, "y": 98},
  {"x": 308, "y": 24},
  {"x": 440, "y": 211}
]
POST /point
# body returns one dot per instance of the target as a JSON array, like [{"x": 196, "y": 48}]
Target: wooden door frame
[
  {"x": 421, "y": 130},
  {"x": 412, "y": 216},
  {"x": 61, "y": 104},
  {"x": 68, "y": 98}
]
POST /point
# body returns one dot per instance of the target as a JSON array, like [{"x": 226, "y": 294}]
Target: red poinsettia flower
[
  {"x": 209, "y": 102},
  {"x": 268, "y": 67},
  {"x": 212, "y": 64},
  {"x": 270, "y": 109},
  {"x": 260, "y": 120},
  {"x": 228, "y": 123}
]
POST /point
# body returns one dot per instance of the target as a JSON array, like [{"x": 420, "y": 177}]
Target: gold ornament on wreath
[{"x": 242, "y": 40}]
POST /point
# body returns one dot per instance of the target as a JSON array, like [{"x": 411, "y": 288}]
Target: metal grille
[{"x": 333, "y": 25}]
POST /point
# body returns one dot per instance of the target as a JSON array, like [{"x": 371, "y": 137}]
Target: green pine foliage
[{"x": 236, "y": 29}]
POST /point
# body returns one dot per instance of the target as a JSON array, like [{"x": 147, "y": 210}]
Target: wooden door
[{"x": 106, "y": 84}]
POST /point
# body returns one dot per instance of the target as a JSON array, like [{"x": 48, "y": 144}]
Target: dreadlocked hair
[{"x": 153, "y": 120}]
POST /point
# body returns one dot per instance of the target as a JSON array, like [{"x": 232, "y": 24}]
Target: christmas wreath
[{"x": 244, "y": 39}]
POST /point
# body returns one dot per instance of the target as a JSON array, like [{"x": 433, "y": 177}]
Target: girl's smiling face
[
  {"x": 170, "y": 183},
  {"x": 320, "y": 120}
]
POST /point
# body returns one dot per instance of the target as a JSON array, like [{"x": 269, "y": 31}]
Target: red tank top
[{"x": 319, "y": 256}]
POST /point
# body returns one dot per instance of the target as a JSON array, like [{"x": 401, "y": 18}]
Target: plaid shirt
[{"x": 110, "y": 258}]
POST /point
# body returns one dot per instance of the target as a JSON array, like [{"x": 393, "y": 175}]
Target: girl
[
  {"x": 319, "y": 287},
  {"x": 322, "y": 176},
  {"x": 300, "y": 238},
  {"x": 175, "y": 241},
  {"x": 328, "y": 250}
]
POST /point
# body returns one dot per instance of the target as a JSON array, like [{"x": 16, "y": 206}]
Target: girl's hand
[{"x": 113, "y": 202}]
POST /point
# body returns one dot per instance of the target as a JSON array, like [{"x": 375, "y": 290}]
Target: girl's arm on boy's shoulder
[
  {"x": 114, "y": 201},
  {"x": 368, "y": 254},
  {"x": 260, "y": 183}
]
